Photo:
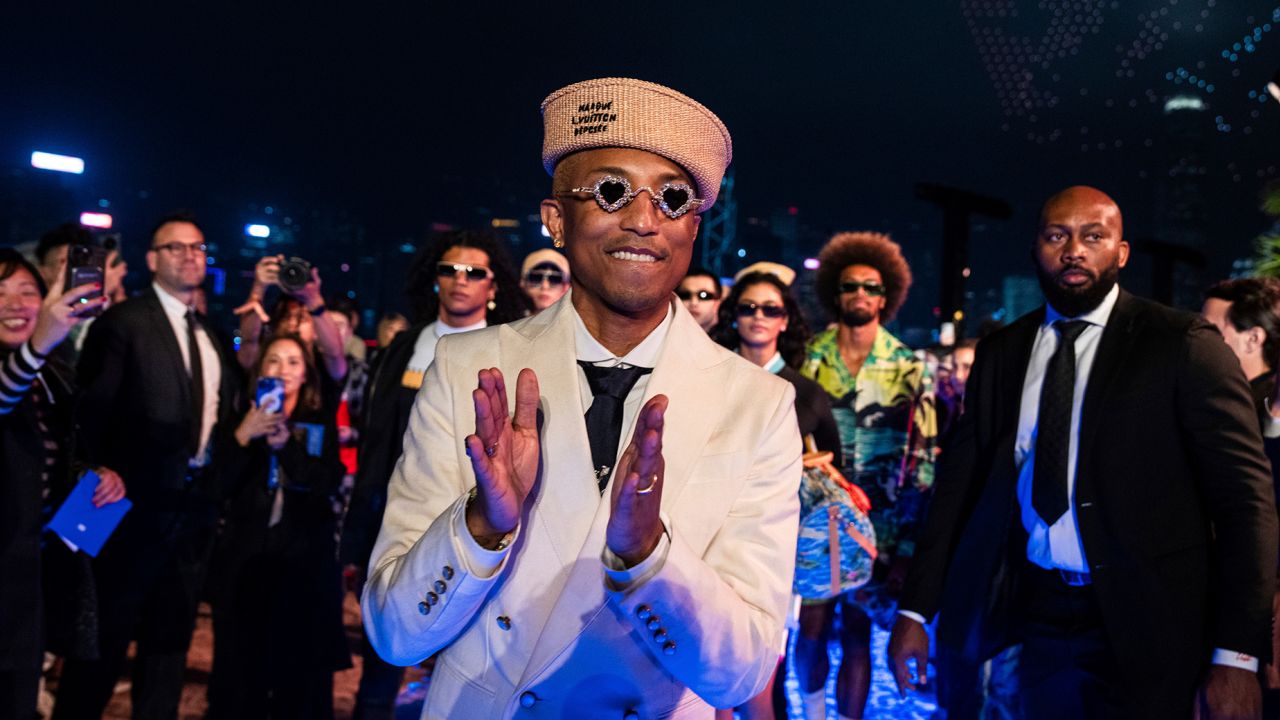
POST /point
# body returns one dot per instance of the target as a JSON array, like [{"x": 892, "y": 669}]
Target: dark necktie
[
  {"x": 609, "y": 386},
  {"x": 197, "y": 381},
  {"x": 1049, "y": 494}
]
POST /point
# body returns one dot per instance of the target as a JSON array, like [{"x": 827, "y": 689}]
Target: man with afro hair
[{"x": 887, "y": 426}]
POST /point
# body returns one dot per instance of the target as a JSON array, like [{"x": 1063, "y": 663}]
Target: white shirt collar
[
  {"x": 643, "y": 355},
  {"x": 1097, "y": 316},
  {"x": 173, "y": 307},
  {"x": 441, "y": 329}
]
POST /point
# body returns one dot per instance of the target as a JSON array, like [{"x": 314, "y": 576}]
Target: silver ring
[
  {"x": 653, "y": 482},
  {"x": 491, "y": 450}
]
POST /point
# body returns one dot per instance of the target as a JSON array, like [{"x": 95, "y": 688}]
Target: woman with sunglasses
[
  {"x": 279, "y": 635},
  {"x": 761, "y": 321},
  {"x": 544, "y": 275},
  {"x": 462, "y": 280},
  {"x": 36, "y": 472}
]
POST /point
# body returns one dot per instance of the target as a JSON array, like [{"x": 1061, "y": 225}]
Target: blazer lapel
[
  {"x": 572, "y": 509},
  {"x": 1113, "y": 349},
  {"x": 162, "y": 330}
]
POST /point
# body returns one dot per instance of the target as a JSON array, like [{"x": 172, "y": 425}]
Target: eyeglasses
[
  {"x": 535, "y": 278},
  {"x": 773, "y": 312},
  {"x": 701, "y": 295},
  {"x": 178, "y": 248},
  {"x": 474, "y": 273},
  {"x": 872, "y": 288},
  {"x": 614, "y": 193}
]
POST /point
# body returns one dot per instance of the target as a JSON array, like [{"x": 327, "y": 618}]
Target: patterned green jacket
[{"x": 888, "y": 431}]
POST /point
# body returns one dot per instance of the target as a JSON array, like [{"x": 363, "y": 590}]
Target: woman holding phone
[
  {"x": 36, "y": 472},
  {"x": 278, "y": 605}
]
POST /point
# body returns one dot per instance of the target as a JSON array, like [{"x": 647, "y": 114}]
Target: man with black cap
[{"x": 559, "y": 577}]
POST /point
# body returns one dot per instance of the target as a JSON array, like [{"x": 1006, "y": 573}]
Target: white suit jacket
[{"x": 545, "y": 636}]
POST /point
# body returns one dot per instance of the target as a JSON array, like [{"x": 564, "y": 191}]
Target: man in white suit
[{"x": 556, "y": 576}]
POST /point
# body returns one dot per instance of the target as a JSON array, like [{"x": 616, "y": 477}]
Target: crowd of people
[{"x": 604, "y": 482}]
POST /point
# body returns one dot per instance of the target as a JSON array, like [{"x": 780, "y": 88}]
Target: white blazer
[{"x": 544, "y": 636}]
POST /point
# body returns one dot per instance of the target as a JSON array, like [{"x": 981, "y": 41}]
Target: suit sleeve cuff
[
  {"x": 620, "y": 578},
  {"x": 914, "y": 616},
  {"x": 479, "y": 562},
  {"x": 1234, "y": 659}
]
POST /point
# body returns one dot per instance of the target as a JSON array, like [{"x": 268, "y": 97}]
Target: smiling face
[
  {"x": 626, "y": 262},
  {"x": 284, "y": 359},
  {"x": 19, "y": 306},
  {"x": 1079, "y": 250},
  {"x": 757, "y": 330}
]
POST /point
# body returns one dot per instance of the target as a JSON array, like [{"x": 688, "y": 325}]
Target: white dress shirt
[
  {"x": 483, "y": 563},
  {"x": 1059, "y": 545},
  {"x": 424, "y": 348},
  {"x": 210, "y": 367}
]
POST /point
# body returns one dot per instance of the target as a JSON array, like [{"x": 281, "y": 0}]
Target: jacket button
[
  {"x": 631, "y": 715},
  {"x": 504, "y": 622},
  {"x": 669, "y": 649},
  {"x": 653, "y": 623},
  {"x": 424, "y": 608},
  {"x": 440, "y": 586},
  {"x": 447, "y": 572},
  {"x": 660, "y": 636},
  {"x": 527, "y": 699},
  {"x": 643, "y": 612},
  {"x": 432, "y": 598}
]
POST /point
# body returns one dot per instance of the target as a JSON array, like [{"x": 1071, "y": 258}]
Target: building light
[
  {"x": 258, "y": 231},
  {"x": 1183, "y": 102},
  {"x": 504, "y": 223},
  {"x": 101, "y": 221},
  {"x": 57, "y": 163}
]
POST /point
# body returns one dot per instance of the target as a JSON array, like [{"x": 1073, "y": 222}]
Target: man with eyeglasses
[
  {"x": 700, "y": 292},
  {"x": 880, "y": 399},
  {"x": 544, "y": 275},
  {"x": 157, "y": 383},
  {"x": 612, "y": 533}
]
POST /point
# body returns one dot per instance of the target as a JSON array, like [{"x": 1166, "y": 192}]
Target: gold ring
[{"x": 653, "y": 482}]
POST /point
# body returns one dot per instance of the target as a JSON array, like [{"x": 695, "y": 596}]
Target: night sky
[{"x": 406, "y": 115}]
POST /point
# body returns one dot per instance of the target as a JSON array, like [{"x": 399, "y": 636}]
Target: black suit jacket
[
  {"x": 135, "y": 407},
  {"x": 1173, "y": 499}
]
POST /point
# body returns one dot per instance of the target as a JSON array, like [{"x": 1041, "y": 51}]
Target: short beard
[
  {"x": 1076, "y": 301},
  {"x": 856, "y": 318}
]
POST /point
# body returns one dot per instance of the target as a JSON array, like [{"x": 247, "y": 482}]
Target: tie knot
[
  {"x": 1070, "y": 329},
  {"x": 615, "y": 381}
]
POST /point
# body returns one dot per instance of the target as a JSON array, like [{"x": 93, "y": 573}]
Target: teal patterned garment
[{"x": 890, "y": 398}]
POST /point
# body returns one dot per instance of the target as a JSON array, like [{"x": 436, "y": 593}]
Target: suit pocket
[
  {"x": 453, "y": 695},
  {"x": 700, "y": 507}
]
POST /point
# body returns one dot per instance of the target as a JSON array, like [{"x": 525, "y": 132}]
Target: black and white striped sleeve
[{"x": 17, "y": 372}]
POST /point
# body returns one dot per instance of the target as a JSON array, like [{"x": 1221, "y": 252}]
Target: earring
[
  {"x": 436, "y": 288},
  {"x": 557, "y": 243},
  {"x": 492, "y": 305}
]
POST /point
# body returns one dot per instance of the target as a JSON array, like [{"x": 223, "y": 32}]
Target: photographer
[
  {"x": 275, "y": 270},
  {"x": 36, "y": 394}
]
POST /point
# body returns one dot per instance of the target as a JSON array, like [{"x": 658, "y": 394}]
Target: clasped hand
[{"x": 505, "y": 454}]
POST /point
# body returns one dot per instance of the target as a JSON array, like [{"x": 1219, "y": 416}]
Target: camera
[
  {"x": 87, "y": 263},
  {"x": 295, "y": 273}
]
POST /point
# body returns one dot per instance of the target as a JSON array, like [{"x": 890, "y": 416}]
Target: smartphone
[
  {"x": 86, "y": 264},
  {"x": 270, "y": 394}
]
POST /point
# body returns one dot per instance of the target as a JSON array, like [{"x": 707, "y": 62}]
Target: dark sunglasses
[
  {"x": 773, "y": 312},
  {"x": 613, "y": 193},
  {"x": 873, "y": 288},
  {"x": 474, "y": 272},
  {"x": 701, "y": 295},
  {"x": 534, "y": 278}
]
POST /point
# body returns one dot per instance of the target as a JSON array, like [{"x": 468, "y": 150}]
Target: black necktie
[
  {"x": 1049, "y": 495},
  {"x": 610, "y": 386},
  {"x": 197, "y": 381}
]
